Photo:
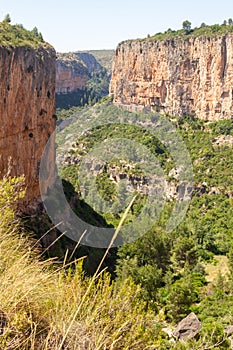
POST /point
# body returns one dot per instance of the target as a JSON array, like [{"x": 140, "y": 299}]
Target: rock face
[
  {"x": 104, "y": 57},
  {"x": 187, "y": 328},
  {"x": 192, "y": 76},
  {"x": 73, "y": 70},
  {"x": 89, "y": 60},
  {"x": 27, "y": 106},
  {"x": 71, "y": 73}
]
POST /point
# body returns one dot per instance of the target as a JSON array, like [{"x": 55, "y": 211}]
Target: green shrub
[{"x": 16, "y": 35}]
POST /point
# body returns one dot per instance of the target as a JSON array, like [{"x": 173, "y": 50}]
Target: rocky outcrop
[
  {"x": 134, "y": 179},
  {"x": 71, "y": 73},
  {"x": 27, "y": 102},
  {"x": 223, "y": 140},
  {"x": 80, "y": 79},
  {"x": 176, "y": 76}
]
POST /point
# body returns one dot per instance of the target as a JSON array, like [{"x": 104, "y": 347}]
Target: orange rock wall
[
  {"x": 69, "y": 78},
  {"x": 193, "y": 76},
  {"x": 27, "y": 107}
]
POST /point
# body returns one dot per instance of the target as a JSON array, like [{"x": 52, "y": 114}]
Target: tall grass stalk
[{"x": 98, "y": 268}]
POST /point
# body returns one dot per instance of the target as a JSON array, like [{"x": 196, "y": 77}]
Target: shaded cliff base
[{"x": 55, "y": 244}]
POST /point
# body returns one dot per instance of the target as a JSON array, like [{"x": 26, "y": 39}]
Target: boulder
[
  {"x": 229, "y": 332},
  {"x": 187, "y": 328}
]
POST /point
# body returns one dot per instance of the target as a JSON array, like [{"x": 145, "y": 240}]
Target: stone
[
  {"x": 187, "y": 328},
  {"x": 178, "y": 77},
  {"x": 228, "y": 330},
  {"x": 73, "y": 70}
]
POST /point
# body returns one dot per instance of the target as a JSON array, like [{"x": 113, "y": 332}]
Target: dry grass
[
  {"x": 43, "y": 308},
  {"x": 219, "y": 265}
]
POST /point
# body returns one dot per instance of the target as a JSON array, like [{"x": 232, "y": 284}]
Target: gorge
[{"x": 57, "y": 290}]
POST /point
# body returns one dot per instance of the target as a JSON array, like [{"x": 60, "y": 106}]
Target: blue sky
[{"x": 71, "y": 25}]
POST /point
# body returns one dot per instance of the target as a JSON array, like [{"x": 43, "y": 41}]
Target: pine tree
[
  {"x": 35, "y": 32},
  {"x": 186, "y": 26},
  {"x": 7, "y": 19}
]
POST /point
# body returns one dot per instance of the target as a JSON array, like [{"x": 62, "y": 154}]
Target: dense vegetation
[
  {"x": 49, "y": 305},
  {"x": 172, "y": 268},
  {"x": 159, "y": 278},
  {"x": 17, "y": 35}
]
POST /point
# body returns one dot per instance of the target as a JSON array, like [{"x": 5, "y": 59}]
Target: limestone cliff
[
  {"x": 71, "y": 73},
  {"x": 176, "y": 76},
  {"x": 89, "y": 60},
  {"x": 104, "y": 57},
  {"x": 27, "y": 102}
]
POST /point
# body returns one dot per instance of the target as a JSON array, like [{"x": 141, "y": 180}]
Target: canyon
[
  {"x": 192, "y": 76},
  {"x": 74, "y": 68},
  {"x": 27, "y": 109},
  {"x": 176, "y": 76}
]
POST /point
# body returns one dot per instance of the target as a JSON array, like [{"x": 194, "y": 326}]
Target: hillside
[
  {"x": 18, "y": 36},
  {"x": 170, "y": 267},
  {"x": 209, "y": 146},
  {"x": 46, "y": 304}
]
